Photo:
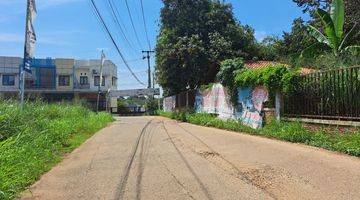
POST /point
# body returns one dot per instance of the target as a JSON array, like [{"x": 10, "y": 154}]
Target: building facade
[{"x": 60, "y": 79}]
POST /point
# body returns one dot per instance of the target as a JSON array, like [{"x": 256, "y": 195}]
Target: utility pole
[
  {"x": 102, "y": 60},
  {"x": 153, "y": 80},
  {"x": 148, "y": 53}
]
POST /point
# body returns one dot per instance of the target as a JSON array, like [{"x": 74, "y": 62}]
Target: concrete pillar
[{"x": 278, "y": 105}]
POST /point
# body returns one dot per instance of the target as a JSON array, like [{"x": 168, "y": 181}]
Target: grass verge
[
  {"x": 348, "y": 143},
  {"x": 32, "y": 141}
]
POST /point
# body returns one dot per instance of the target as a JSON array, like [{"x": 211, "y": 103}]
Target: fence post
[
  {"x": 187, "y": 99},
  {"x": 278, "y": 105}
]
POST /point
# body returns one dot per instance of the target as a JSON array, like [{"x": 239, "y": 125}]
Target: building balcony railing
[
  {"x": 82, "y": 86},
  {"x": 36, "y": 87}
]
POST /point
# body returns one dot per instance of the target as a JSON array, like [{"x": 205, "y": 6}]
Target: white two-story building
[{"x": 60, "y": 79}]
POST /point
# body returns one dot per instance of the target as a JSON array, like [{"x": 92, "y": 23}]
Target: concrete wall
[
  {"x": 91, "y": 68},
  {"x": 10, "y": 66},
  {"x": 64, "y": 67}
]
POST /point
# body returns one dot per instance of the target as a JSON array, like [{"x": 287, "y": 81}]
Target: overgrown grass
[
  {"x": 348, "y": 143},
  {"x": 32, "y": 141}
]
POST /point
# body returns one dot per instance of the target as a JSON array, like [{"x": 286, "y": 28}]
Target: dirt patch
[{"x": 261, "y": 177}]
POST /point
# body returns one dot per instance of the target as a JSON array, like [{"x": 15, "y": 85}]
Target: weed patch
[{"x": 33, "y": 140}]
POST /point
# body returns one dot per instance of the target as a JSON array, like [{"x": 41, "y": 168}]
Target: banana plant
[{"x": 333, "y": 26}]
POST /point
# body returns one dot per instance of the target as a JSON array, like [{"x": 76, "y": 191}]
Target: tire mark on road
[
  {"x": 143, "y": 157},
  {"x": 243, "y": 175},
  {"x": 176, "y": 180},
  {"x": 123, "y": 181},
  {"x": 203, "y": 188}
]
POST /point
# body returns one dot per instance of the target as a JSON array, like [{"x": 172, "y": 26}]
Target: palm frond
[
  {"x": 329, "y": 27},
  {"x": 320, "y": 37},
  {"x": 337, "y": 13}
]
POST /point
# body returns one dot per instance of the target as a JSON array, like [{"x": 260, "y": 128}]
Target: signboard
[{"x": 136, "y": 92}]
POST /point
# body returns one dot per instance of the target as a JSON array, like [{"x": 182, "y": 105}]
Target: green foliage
[
  {"x": 226, "y": 76},
  {"x": 122, "y": 106},
  {"x": 151, "y": 106},
  {"x": 328, "y": 60},
  {"x": 352, "y": 13},
  {"x": 34, "y": 140},
  {"x": 178, "y": 115},
  {"x": 348, "y": 143},
  {"x": 299, "y": 48},
  {"x": 195, "y": 36},
  {"x": 295, "y": 41},
  {"x": 206, "y": 87},
  {"x": 268, "y": 48},
  {"x": 333, "y": 25},
  {"x": 274, "y": 77}
]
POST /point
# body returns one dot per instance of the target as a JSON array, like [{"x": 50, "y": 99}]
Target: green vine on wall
[
  {"x": 274, "y": 77},
  {"x": 234, "y": 75},
  {"x": 226, "y": 76}
]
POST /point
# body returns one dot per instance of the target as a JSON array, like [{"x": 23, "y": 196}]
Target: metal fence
[
  {"x": 185, "y": 100},
  {"x": 332, "y": 94}
]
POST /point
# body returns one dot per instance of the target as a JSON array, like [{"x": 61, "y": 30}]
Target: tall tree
[
  {"x": 195, "y": 36},
  {"x": 296, "y": 40}
]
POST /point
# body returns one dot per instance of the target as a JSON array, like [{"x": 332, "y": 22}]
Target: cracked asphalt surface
[{"x": 158, "y": 158}]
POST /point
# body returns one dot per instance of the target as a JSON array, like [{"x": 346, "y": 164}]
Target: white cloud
[
  {"x": 10, "y": 37},
  {"x": 260, "y": 35}
]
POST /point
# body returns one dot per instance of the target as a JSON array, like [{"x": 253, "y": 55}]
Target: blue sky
[{"x": 68, "y": 28}]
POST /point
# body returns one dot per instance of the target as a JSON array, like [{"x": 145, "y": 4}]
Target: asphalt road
[{"x": 157, "y": 158}]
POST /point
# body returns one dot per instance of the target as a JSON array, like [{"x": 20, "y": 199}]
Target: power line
[
  {"x": 132, "y": 22},
  {"x": 144, "y": 21},
  {"x": 98, "y": 18},
  {"x": 117, "y": 20},
  {"x": 113, "y": 41},
  {"x": 123, "y": 73}
]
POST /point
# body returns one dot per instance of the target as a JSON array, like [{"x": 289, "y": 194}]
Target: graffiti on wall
[
  {"x": 251, "y": 103},
  {"x": 169, "y": 103},
  {"x": 217, "y": 101}
]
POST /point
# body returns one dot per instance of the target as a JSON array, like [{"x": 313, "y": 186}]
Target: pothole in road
[{"x": 208, "y": 154}]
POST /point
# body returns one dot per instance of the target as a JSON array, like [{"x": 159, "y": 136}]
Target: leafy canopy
[{"x": 195, "y": 36}]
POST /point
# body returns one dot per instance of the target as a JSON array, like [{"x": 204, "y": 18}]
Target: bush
[
  {"x": 287, "y": 131},
  {"x": 33, "y": 140},
  {"x": 151, "y": 105},
  {"x": 228, "y": 70}
]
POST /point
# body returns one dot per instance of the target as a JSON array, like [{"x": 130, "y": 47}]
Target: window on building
[
  {"x": 97, "y": 81},
  {"x": 84, "y": 80},
  {"x": 64, "y": 80},
  {"x": 113, "y": 82},
  {"x": 8, "y": 80}
]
